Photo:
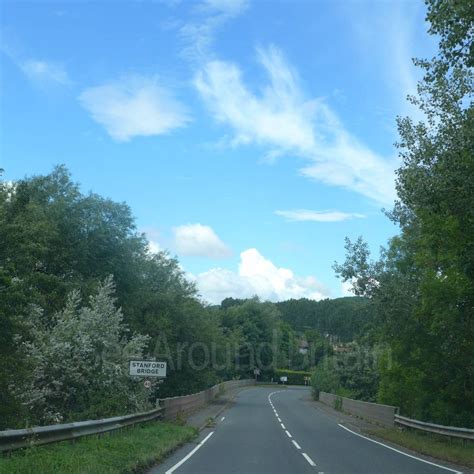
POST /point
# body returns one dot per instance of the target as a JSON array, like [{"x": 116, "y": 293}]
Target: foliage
[
  {"x": 324, "y": 380},
  {"x": 352, "y": 374},
  {"x": 295, "y": 377},
  {"x": 456, "y": 451},
  {"x": 343, "y": 318},
  {"x": 423, "y": 286},
  {"x": 252, "y": 329},
  {"x": 54, "y": 240},
  {"x": 79, "y": 364}
]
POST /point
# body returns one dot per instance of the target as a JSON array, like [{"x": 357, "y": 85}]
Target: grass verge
[
  {"x": 450, "y": 450},
  {"x": 130, "y": 450}
]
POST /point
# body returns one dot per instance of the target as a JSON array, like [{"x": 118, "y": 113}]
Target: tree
[
  {"x": 424, "y": 282},
  {"x": 79, "y": 364}
]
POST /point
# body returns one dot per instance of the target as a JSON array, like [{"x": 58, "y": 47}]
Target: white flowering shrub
[{"x": 79, "y": 363}]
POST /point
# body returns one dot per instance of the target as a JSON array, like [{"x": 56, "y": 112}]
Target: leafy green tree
[
  {"x": 55, "y": 240},
  {"x": 252, "y": 327},
  {"x": 423, "y": 286}
]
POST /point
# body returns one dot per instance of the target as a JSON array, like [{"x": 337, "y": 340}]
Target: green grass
[
  {"x": 450, "y": 450},
  {"x": 130, "y": 450}
]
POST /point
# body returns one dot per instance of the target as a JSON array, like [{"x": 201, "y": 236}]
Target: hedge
[{"x": 295, "y": 377}]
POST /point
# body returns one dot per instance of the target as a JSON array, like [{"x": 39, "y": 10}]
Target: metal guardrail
[
  {"x": 464, "y": 433},
  {"x": 22, "y": 438}
]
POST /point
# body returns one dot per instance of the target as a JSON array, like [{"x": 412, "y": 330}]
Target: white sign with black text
[{"x": 147, "y": 368}]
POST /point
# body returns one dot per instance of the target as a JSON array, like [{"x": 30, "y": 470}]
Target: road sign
[
  {"x": 147, "y": 368},
  {"x": 284, "y": 378},
  {"x": 147, "y": 383},
  {"x": 256, "y": 371},
  {"x": 307, "y": 379}
]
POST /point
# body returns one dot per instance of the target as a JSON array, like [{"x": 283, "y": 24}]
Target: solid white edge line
[
  {"x": 398, "y": 451},
  {"x": 297, "y": 446},
  {"x": 288, "y": 433},
  {"x": 283, "y": 426},
  {"x": 171, "y": 470},
  {"x": 311, "y": 462}
]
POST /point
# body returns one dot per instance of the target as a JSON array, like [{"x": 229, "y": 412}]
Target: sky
[{"x": 249, "y": 137}]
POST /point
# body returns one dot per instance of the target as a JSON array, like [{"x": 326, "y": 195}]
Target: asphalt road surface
[{"x": 269, "y": 430}]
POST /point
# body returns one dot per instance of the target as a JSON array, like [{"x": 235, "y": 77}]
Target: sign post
[{"x": 256, "y": 372}]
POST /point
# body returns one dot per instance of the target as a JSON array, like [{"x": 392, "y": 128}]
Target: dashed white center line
[
  {"x": 297, "y": 446},
  {"x": 311, "y": 462},
  {"x": 223, "y": 418}
]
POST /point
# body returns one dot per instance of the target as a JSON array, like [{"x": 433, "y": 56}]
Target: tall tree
[{"x": 423, "y": 286}]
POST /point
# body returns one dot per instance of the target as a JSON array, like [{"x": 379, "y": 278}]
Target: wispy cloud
[
  {"x": 199, "y": 240},
  {"x": 257, "y": 275},
  {"x": 304, "y": 215},
  {"x": 282, "y": 119},
  {"x": 134, "y": 106},
  {"x": 45, "y": 71},
  {"x": 387, "y": 30},
  {"x": 210, "y": 15}
]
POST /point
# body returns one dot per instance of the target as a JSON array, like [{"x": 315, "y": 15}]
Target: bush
[
  {"x": 79, "y": 364},
  {"x": 324, "y": 380}
]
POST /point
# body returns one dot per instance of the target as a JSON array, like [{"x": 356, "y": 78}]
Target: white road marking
[
  {"x": 170, "y": 471},
  {"x": 223, "y": 418},
  {"x": 296, "y": 444},
  {"x": 311, "y": 462},
  {"x": 398, "y": 451}
]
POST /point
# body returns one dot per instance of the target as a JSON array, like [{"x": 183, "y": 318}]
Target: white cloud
[
  {"x": 257, "y": 276},
  {"x": 281, "y": 119},
  {"x": 318, "y": 216},
  {"x": 136, "y": 106},
  {"x": 154, "y": 247},
  {"x": 388, "y": 31},
  {"x": 45, "y": 71},
  {"x": 346, "y": 288},
  {"x": 153, "y": 237},
  {"x": 199, "y": 240},
  {"x": 198, "y": 35}
]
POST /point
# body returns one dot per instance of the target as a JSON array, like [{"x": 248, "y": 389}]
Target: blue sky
[{"x": 248, "y": 137}]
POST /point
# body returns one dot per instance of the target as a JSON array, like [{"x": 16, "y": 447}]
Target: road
[{"x": 279, "y": 431}]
